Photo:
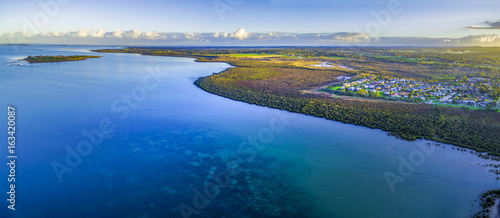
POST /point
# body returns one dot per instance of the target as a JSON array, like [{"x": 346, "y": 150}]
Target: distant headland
[{"x": 58, "y": 58}]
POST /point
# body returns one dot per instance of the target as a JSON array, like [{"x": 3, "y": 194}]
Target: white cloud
[
  {"x": 98, "y": 34},
  {"x": 483, "y": 40},
  {"x": 14, "y": 34},
  {"x": 117, "y": 33},
  {"x": 134, "y": 34},
  {"x": 239, "y": 37},
  {"x": 240, "y": 34},
  {"x": 489, "y": 25},
  {"x": 153, "y": 35},
  {"x": 56, "y": 33},
  {"x": 81, "y": 33},
  {"x": 189, "y": 35},
  {"x": 352, "y": 37}
]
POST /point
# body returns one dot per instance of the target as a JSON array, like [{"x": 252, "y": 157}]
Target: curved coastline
[
  {"x": 202, "y": 84},
  {"x": 275, "y": 101},
  {"x": 406, "y": 121}
]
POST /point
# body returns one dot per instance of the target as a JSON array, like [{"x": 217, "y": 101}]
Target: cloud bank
[
  {"x": 488, "y": 25},
  {"x": 240, "y": 37}
]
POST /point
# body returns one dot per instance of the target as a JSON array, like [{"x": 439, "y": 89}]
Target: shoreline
[
  {"x": 201, "y": 58},
  {"x": 56, "y": 58},
  {"x": 478, "y": 150},
  {"x": 235, "y": 98},
  {"x": 494, "y": 210}
]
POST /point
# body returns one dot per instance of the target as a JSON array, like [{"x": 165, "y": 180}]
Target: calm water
[{"x": 170, "y": 136}]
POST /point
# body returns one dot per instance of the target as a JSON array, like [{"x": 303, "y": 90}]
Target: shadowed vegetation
[
  {"x": 276, "y": 78},
  {"x": 59, "y": 58}
]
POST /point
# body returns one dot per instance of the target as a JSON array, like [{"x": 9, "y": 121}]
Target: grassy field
[
  {"x": 334, "y": 88},
  {"x": 459, "y": 106}
]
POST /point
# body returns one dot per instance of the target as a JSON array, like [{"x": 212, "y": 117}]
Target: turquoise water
[{"x": 165, "y": 141}]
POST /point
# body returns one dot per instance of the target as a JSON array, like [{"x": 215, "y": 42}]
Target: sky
[{"x": 252, "y": 22}]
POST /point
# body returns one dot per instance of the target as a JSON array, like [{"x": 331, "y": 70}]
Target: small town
[{"x": 466, "y": 92}]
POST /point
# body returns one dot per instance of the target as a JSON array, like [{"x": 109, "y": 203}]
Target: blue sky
[{"x": 415, "y": 18}]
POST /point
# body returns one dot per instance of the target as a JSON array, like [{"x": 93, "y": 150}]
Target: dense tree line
[
  {"x": 409, "y": 124},
  {"x": 277, "y": 84},
  {"x": 479, "y": 130},
  {"x": 59, "y": 58},
  {"x": 487, "y": 201}
]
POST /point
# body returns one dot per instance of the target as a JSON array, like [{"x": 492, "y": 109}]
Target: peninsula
[{"x": 283, "y": 78}]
